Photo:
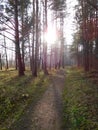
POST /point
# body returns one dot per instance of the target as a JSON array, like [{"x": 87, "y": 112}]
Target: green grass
[
  {"x": 80, "y": 102},
  {"x": 16, "y": 93}
]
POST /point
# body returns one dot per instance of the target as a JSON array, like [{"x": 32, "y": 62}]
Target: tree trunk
[
  {"x": 45, "y": 43},
  {"x": 20, "y": 66},
  {"x": 6, "y": 58},
  {"x": 23, "y": 62},
  {"x": 22, "y": 20},
  {"x": 62, "y": 41},
  {"x": 91, "y": 56},
  {"x": 37, "y": 44},
  {"x": 0, "y": 62},
  {"x": 96, "y": 54},
  {"x": 16, "y": 60},
  {"x": 33, "y": 41},
  {"x": 86, "y": 57}
]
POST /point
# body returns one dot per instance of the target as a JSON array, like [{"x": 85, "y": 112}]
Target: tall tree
[
  {"x": 33, "y": 39},
  {"x": 87, "y": 19},
  {"x": 37, "y": 41},
  {"x": 20, "y": 65},
  {"x": 45, "y": 42},
  {"x": 6, "y": 57}
]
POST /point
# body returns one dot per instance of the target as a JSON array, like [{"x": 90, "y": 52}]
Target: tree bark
[
  {"x": 37, "y": 44},
  {"x": 0, "y": 62},
  {"x": 86, "y": 57},
  {"x": 22, "y": 20},
  {"x": 20, "y": 66},
  {"x": 6, "y": 58},
  {"x": 33, "y": 40},
  {"x": 45, "y": 43}
]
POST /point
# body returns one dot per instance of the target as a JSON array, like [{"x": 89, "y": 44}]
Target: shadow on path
[{"x": 47, "y": 113}]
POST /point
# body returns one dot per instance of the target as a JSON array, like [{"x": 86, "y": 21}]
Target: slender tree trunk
[
  {"x": 0, "y": 62},
  {"x": 30, "y": 52},
  {"x": 6, "y": 58},
  {"x": 85, "y": 36},
  {"x": 40, "y": 40},
  {"x": 37, "y": 44},
  {"x": 91, "y": 56},
  {"x": 55, "y": 54},
  {"x": 62, "y": 40},
  {"x": 86, "y": 57},
  {"x": 33, "y": 40},
  {"x": 20, "y": 66},
  {"x": 45, "y": 43},
  {"x": 50, "y": 62},
  {"x": 16, "y": 60},
  {"x": 96, "y": 49},
  {"x": 22, "y": 20},
  {"x": 78, "y": 56},
  {"x": 96, "y": 54}
]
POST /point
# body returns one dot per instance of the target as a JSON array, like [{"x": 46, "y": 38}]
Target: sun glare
[{"x": 51, "y": 36}]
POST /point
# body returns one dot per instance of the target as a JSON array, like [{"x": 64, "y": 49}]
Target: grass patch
[
  {"x": 80, "y": 102},
  {"x": 16, "y": 93}
]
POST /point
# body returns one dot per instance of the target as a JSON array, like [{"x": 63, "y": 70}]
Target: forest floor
[
  {"x": 63, "y": 100},
  {"x": 47, "y": 113},
  {"x": 80, "y": 100},
  {"x": 17, "y": 93}
]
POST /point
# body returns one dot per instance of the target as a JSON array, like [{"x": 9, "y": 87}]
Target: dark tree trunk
[
  {"x": 45, "y": 44},
  {"x": 23, "y": 62},
  {"x": 0, "y": 62},
  {"x": 91, "y": 56},
  {"x": 22, "y": 20},
  {"x": 55, "y": 54},
  {"x": 62, "y": 41},
  {"x": 20, "y": 66},
  {"x": 16, "y": 60},
  {"x": 37, "y": 44},
  {"x": 86, "y": 57},
  {"x": 6, "y": 58},
  {"x": 30, "y": 53},
  {"x": 78, "y": 56},
  {"x": 96, "y": 54},
  {"x": 33, "y": 41}
]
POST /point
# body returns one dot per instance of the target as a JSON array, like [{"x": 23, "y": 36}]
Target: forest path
[{"x": 47, "y": 113}]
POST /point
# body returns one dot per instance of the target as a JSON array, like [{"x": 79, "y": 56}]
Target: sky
[{"x": 69, "y": 27}]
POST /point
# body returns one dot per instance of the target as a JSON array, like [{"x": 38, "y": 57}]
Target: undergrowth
[
  {"x": 16, "y": 93},
  {"x": 80, "y": 99}
]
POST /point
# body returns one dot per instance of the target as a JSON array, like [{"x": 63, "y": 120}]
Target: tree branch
[
  {"x": 7, "y": 48},
  {"x": 93, "y": 5},
  {"x": 7, "y": 37}
]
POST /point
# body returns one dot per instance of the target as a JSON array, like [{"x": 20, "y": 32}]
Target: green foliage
[
  {"x": 16, "y": 93},
  {"x": 80, "y": 102}
]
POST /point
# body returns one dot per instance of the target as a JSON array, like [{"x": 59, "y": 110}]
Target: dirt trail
[{"x": 47, "y": 114}]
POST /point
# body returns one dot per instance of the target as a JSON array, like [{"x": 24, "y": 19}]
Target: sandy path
[{"x": 47, "y": 114}]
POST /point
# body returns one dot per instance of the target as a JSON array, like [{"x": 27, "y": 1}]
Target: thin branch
[
  {"x": 9, "y": 33},
  {"x": 7, "y": 48},
  {"x": 12, "y": 23},
  {"x": 7, "y": 37},
  {"x": 93, "y": 5},
  {"x": 8, "y": 20},
  {"x": 7, "y": 25}
]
